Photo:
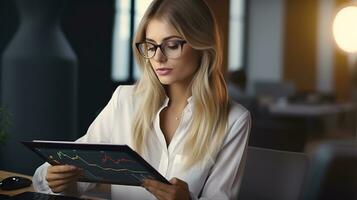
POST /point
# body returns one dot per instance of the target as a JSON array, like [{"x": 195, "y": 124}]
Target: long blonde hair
[{"x": 195, "y": 22}]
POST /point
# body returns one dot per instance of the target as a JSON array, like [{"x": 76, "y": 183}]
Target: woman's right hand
[{"x": 61, "y": 177}]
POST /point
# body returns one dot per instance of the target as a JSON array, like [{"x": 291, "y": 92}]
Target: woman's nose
[{"x": 159, "y": 56}]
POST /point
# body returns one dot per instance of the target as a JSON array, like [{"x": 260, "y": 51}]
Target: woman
[{"x": 177, "y": 116}]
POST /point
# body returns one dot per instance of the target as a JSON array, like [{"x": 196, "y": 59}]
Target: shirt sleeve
[
  {"x": 226, "y": 174},
  {"x": 39, "y": 179},
  {"x": 98, "y": 132}
]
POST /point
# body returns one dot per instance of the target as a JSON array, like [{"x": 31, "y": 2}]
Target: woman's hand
[
  {"x": 178, "y": 189},
  {"x": 61, "y": 177}
]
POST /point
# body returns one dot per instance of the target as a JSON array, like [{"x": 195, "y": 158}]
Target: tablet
[{"x": 101, "y": 163}]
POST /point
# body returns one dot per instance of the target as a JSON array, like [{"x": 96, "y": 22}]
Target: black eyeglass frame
[{"x": 181, "y": 43}]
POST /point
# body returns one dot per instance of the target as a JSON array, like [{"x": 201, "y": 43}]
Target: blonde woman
[{"x": 177, "y": 116}]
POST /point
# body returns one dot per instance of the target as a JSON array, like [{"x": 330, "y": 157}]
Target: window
[
  {"x": 123, "y": 32},
  {"x": 121, "y": 41},
  {"x": 236, "y": 34},
  {"x": 140, "y": 9}
]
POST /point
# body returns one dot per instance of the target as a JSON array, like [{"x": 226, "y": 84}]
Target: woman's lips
[{"x": 163, "y": 71}]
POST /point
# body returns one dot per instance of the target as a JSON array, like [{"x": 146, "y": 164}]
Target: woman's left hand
[{"x": 178, "y": 189}]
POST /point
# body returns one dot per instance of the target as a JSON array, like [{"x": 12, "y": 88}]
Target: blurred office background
[{"x": 281, "y": 63}]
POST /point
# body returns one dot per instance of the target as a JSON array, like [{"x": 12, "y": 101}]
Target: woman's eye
[
  {"x": 173, "y": 45},
  {"x": 151, "y": 48}
]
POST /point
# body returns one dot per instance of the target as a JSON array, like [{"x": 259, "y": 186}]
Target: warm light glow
[{"x": 345, "y": 29}]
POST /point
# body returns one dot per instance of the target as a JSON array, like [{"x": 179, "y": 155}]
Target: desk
[
  {"x": 316, "y": 113},
  {"x": 308, "y": 110},
  {"x": 290, "y": 126},
  {"x": 5, "y": 174}
]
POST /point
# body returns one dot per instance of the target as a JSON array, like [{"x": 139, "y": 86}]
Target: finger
[
  {"x": 175, "y": 181},
  {"x": 159, "y": 194},
  {"x": 61, "y": 185},
  {"x": 60, "y": 188},
  {"x": 63, "y": 176},
  {"x": 179, "y": 183},
  {"x": 62, "y": 168},
  {"x": 62, "y": 172},
  {"x": 55, "y": 183},
  {"x": 157, "y": 185},
  {"x": 51, "y": 177},
  {"x": 159, "y": 189}
]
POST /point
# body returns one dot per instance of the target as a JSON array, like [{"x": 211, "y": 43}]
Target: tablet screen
[{"x": 103, "y": 163}]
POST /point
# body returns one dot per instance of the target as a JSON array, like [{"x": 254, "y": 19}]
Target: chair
[
  {"x": 333, "y": 172},
  {"x": 273, "y": 175}
]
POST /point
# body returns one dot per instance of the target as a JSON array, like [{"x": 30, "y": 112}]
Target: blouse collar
[{"x": 189, "y": 103}]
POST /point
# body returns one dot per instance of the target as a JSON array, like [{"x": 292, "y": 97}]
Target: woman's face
[{"x": 170, "y": 68}]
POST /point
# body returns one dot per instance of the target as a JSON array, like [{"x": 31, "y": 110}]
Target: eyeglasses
[{"x": 170, "y": 48}]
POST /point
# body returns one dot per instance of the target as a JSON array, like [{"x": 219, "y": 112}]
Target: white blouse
[{"x": 215, "y": 180}]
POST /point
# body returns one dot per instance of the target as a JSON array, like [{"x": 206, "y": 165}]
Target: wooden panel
[
  {"x": 299, "y": 62},
  {"x": 342, "y": 81},
  {"x": 221, "y": 12}
]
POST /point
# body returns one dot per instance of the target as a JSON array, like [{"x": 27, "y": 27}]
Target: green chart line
[{"x": 60, "y": 154}]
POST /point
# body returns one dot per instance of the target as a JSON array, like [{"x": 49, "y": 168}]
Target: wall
[
  {"x": 300, "y": 38},
  {"x": 332, "y": 64},
  {"x": 291, "y": 40},
  {"x": 88, "y": 25},
  {"x": 341, "y": 72},
  {"x": 221, "y": 12},
  {"x": 325, "y": 46},
  {"x": 9, "y": 21},
  {"x": 264, "y": 46}
]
